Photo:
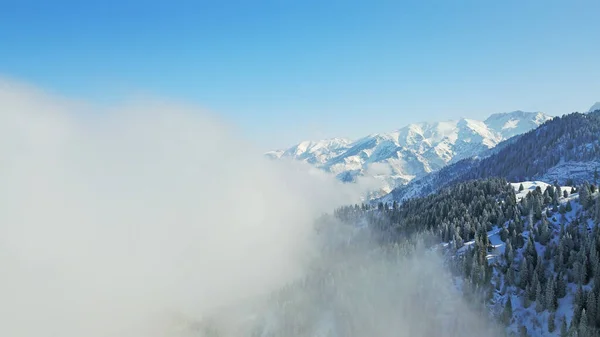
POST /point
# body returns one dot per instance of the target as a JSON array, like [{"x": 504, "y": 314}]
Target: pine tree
[
  {"x": 583, "y": 275},
  {"x": 524, "y": 273},
  {"x": 579, "y": 299},
  {"x": 504, "y": 234},
  {"x": 508, "y": 252},
  {"x": 562, "y": 209},
  {"x": 561, "y": 286},
  {"x": 548, "y": 253},
  {"x": 591, "y": 306},
  {"x": 539, "y": 297},
  {"x": 551, "y": 300},
  {"x": 547, "y": 196},
  {"x": 550, "y": 190},
  {"x": 584, "y": 195},
  {"x": 551, "y": 323},
  {"x": 594, "y": 259},
  {"x": 508, "y": 311},
  {"x": 563, "y": 327},
  {"x": 531, "y": 252},
  {"x": 510, "y": 275},
  {"x": 518, "y": 228},
  {"x": 521, "y": 187},
  {"x": 532, "y": 288},
  {"x": 584, "y": 329},
  {"x": 565, "y": 194},
  {"x": 596, "y": 321},
  {"x": 573, "y": 328},
  {"x": 525, "y": 300},
  {"x": 544, "y": 232},
  {"x": 558, "y": 258},
  {"x": 597, "y": 210},
  {"x": 569, "y": 208}
]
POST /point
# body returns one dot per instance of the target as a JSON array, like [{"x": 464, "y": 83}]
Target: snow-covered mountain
[
  {"x": 412, "y": 151},
  {"x": 318, "y": 152},
  {"x": 515, "y": 123},
  {"x": 564, "y": 149},
  {"x": 595, "y": 107}
]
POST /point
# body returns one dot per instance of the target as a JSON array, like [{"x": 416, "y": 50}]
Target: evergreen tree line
[{"x": 548, "y": 248}]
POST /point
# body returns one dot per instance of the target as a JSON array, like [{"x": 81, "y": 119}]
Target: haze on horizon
[{"x": 289, "y": 71}]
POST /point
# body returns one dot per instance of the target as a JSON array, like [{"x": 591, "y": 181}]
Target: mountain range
[
  {"x": 413, "y": 151},
  {"x": 565, "y": 150}
]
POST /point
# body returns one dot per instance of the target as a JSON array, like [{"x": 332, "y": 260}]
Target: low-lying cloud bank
[
  {"x": 116, "y": 222},
  {"x": 111, "y": 217},
  {"x": 356, "y": 288}
]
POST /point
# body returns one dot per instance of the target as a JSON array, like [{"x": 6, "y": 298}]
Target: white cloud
[
  {"x": 110, "y": 216},
  {"x": 113, "y": 220}
]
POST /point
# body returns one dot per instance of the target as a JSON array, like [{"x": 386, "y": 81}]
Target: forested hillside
[
  {"x": 571, "y": 138},
  {"x": 528, "y": 252}
]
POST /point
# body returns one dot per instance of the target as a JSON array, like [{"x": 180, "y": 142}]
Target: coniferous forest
[{"x": 530, "y": 256}]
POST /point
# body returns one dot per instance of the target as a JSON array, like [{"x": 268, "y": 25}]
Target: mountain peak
[
  {"x": 510, "y": 124},
  {"x": 595, "y": 107},
  {"x": 513, "y": 114},
  {"x": 413, "y": 150}
]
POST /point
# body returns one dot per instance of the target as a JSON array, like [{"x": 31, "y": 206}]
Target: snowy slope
[
  {"x": 515, "y": 123},
  {"x": 537, "y": 323},
  {"x": 577, "y": 170},
  {"x": 429, "y": 183},
  {"x": 436, "y": 180},
  {"x": 318, "y": 152},
  {"x": 412, "y": 151}
]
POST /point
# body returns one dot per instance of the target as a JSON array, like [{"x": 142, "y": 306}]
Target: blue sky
[{"x": 284, "y": 71}]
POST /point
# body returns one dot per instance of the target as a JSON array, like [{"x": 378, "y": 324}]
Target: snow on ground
[
  {"x": 536, "y": 323},
  {"x": 497, "y": 244},
  {"x": 494, "y": 237},
  {"x": 528, "y": 186},
  {"x": 578, "y": 171}
]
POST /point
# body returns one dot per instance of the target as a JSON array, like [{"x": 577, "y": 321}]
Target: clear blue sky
[{"x": 288, "y": 70}]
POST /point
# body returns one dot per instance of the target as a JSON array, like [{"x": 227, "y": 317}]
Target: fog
[
  {"x": 358, "y": 288},
  {"x": 118, "y": 221}
]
